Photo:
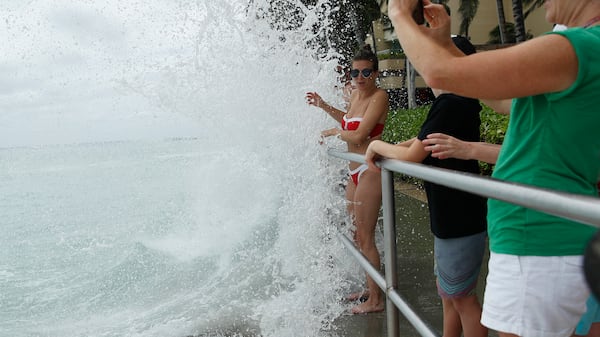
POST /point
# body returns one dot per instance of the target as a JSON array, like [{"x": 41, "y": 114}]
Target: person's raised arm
[
  {"x": 522, "y": 70},
  {"x": 314, "y": 99}
]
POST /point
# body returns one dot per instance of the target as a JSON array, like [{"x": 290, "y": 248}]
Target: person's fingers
[
  {"x": 431, "y": 10},
  {"x": 373, "y": 166},
  {"x": 437, "y": 135}
]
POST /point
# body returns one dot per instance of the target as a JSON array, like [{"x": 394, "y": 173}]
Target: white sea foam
[{"x": 225, "y": 231}]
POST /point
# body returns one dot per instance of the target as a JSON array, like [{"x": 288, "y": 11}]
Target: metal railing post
[{"x": 389, "y": 236}]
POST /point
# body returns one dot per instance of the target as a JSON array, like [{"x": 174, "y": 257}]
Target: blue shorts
[
  {"x": 457, "y": 264},
  {"x": 592, "y": 315}
]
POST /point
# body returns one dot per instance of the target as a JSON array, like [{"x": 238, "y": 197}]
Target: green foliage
[
  {"x": 404, "y": 124},
  {"x": 401, "y": 125},
  {"x": 391, "y": 56},
  {"x": 493, "y": 126},
  {"x": 494, "y": 34},
  {"x": 493, "y": 130}
]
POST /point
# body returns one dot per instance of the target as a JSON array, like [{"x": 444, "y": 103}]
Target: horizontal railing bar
[
  {"x": 410, "y": 314},
  {"x": 575, "y": 207}
]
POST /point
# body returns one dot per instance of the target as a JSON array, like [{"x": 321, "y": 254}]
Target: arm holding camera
[
  {"x": 314, "y": 99},
  {"x": 488, "y": 75}
]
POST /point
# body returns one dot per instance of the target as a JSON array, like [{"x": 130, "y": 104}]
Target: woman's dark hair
[{"x": 367, "y": 54}]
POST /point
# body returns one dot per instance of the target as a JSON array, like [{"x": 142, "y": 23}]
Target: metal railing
[{"x": 569, "y": 206}]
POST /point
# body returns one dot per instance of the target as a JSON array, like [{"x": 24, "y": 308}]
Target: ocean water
[
  {"x": 163, "y": 238},
  {"x": 160, "y": 172}
]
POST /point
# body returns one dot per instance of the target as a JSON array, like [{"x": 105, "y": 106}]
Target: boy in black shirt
[{"x": 457, "y": 218}]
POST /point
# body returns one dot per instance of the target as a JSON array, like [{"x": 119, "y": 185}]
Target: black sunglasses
[{"x": 365, "y": 72}]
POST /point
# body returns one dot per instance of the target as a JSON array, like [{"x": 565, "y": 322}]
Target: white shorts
[{"x": 533, "y": 296}]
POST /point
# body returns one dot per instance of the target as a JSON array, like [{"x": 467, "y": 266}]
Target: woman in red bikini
[{"x": 361, "y": 124}]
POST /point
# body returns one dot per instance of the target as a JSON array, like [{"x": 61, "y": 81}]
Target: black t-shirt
[{"x": 454, "y": 213}]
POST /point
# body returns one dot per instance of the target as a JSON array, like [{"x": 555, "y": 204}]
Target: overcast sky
[{"x": 70, "y": 69}]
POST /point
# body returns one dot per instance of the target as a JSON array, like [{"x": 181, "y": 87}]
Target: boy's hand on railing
[{"x": 371, "y": 156}]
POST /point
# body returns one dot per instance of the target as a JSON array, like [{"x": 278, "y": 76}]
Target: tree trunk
[
  {"x": 468, "y": 10},
  {"x": 519, "y": 20},
  {"x": 501, "y": 20}
]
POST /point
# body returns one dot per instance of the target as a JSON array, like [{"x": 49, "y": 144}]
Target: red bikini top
[{"x": 353, "y": 123}]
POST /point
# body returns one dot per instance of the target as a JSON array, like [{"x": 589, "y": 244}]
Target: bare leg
[
  {"x": 350, "y": 190},
  {"x": 367, "y": 201},
  {"x": 451, "y": 320},
  {"x": 469, "y": 310},
  {"x": 359, "y": 295},
  {"x": 594, "y": 330}
]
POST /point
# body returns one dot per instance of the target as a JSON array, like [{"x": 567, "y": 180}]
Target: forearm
[
  {"x": 407, "y": 143},
  {"x": 443, "y": 146},
  {"x": 388, "y": 150},
  {"x": 335, "y": 113},
  {"x": 314, "y": 99},
  {"x": 351, "y": 137},
  {"x": 484, "y": 152},
  {"x": 428, "y": 49}
]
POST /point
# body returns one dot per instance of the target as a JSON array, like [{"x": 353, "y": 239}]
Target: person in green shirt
[{"x": 535, "y": 286}]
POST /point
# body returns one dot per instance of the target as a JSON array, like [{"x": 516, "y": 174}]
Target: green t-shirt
[{"x": 553, "y": 142}]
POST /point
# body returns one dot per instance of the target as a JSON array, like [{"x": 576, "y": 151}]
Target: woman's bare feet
[
  {"x": 369, "y": 306},
  {"x": 358, "y": 296},
  {"x": 366, "y": 308}
]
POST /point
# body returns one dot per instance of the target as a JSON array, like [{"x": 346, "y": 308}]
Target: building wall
[{"x": 487, "y": 18}]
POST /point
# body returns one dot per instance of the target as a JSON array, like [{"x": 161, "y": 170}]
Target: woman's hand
[
  {"x": 371, "y": 156},
  {"x": 330, "y": 132},
  {"x": 314, "y": 99},
  {"x": 443, "y": 146}
]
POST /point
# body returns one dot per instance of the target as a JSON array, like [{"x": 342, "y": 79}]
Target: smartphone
[{"x": 418, "y": 13}]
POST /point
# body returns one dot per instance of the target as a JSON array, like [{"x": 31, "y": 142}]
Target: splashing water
[{"x": 226, "y": 230}]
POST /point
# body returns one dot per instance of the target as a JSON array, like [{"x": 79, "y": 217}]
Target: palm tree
[
  {"x": 519, "y": 17},
  {"x": 517, "y": 6},
  {"x": 533, "y": 5},
  {"x": 494, "y": 35},
  {"x": 364, "y": 13},
  {"x": 352, "y": 23},
  {"x": 467, "y": 9},
  {"x": 501, "y": 21}
]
